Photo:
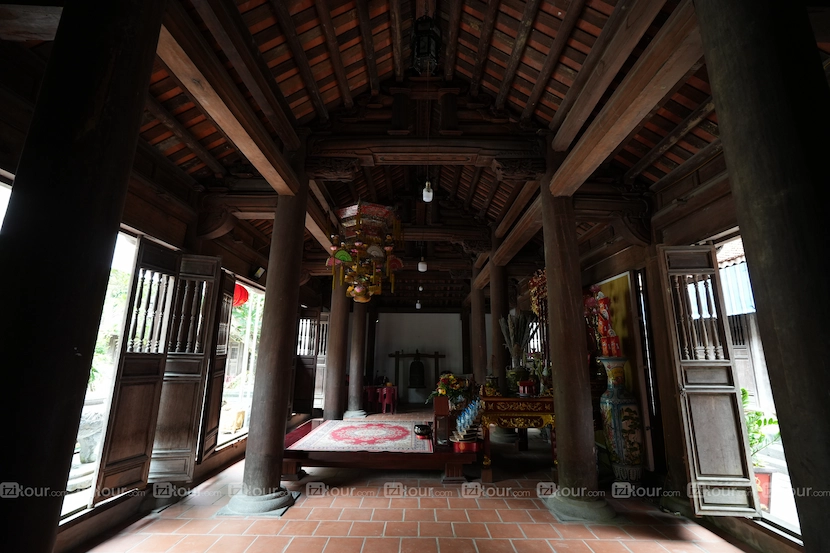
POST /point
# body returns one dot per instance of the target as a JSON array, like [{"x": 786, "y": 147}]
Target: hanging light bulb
[
  {"x": 428, "y": 191},
  {"x": 420, "y": 288},
  {"x": 422, "y": 265},
  {"x": 417, "y": 304}
]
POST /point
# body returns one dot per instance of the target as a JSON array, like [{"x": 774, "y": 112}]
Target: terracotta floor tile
[
  {"x": 306, "y": 545},
  {"x": 341, "y": 502},
  {"x": 704, "y": 534},
  {"x": 344, "y": 545},
  {"x": 494, "y": 546},
  {"x": 642, "y": 532},
  {"x": 644, "y": 547},
  {"x": 164, "y": 526},
  {"x": 574, "y": 531},
  {"x": 542, "y": 515},
  {"x": 723, "y": 547},
  {"x": 356, "y": 514},
  {"x": 427, "y": 515},
  {"x": 366, "y": 529},
  {"x": 269, "y": 544},
  {"x": 569, "y": 546},
  {"x": 435, "y": 503},
  {"x": 231, "y": 544},
  {"x": 505, "y": 530},
  {"x": 436, "y": 529},
  {"x": 462, "y": 503},
  {"x": 404, "y": 503},
  {"x": 296, "y": 513},
  {"x": 515, "y": 515},
  {"x": 539, "y": 530},
  {"x": 531, "y": 546},
  {"x": 476, "y": 515},
  {"x": 194, "y": 544},
  {"x": 605, "y": 532},
  {"x": 678, "y": 532},
  {"x": 455, "y": 545},
  {"x": 514, "y": 503},
  {"x": 324, "y": 513},
  {"x": 198, "y": 526},
  {"x": 174, "y": 510},
  {"x": 492, "y": 503},
  {"x": 231, "y": 526},
  {"x": 299, "y": 528},
  {"x": 334, "y": 528},
  {"x": 419, "y": 545},
  {"x": 388, "y": 514},
  {"x": 266, "y": 527},
  {"x": 460, "y": 515},
  {"x": 603, "y": 546},
  {"x": 375, "y": 503},
  {"x": 316, "y": 502},
  {"x": 381, "y": 545},
  {"x": 470, "y": 530},
  {"x": 157, "y": 543},
  {"x": 401, "y": 529}
]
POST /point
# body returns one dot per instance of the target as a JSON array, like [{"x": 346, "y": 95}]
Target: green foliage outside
[
  {"x": 761, "y": 429},
  {"x": 109, "y": 330}
]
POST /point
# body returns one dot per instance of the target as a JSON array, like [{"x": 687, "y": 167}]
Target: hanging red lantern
[{"x": 240, "y": 295}]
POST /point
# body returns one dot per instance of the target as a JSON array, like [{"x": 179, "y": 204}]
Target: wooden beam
[
  {"x": 225, "y": 23},
  {"x": 485, "y": 35},
  {"x": 473, "y": 187},
  {"x": 335, "y": 56},
  {"x": 286, "y": 23},
  {"x": 368, "y": 45},
  {"x": 318, "y": 193},
  {"x": 552, "y": 59},
  {"x": 390, "y": 185},
  {"x": 454, "y": 26},
  {"x": 681, "y": 130},
  {"x": 28, "y": 22},
  {"x": 525, "y": 26},
  {"x": 441, "y": 233},
  {"x": 186, "y": 53},
  {"x": 675, "y": 48},
  {"x": 370, "y": 182},
  {"x": 493, "y": 189},
  {"x": 397, "y": 40},
  {"x": 456, "y": 179},
  {"x": 691, "y": 165},
  {"x": 515, "y": 209},
  {"x": 619, "y": 36},
  {"x": 173, "y": 124}
]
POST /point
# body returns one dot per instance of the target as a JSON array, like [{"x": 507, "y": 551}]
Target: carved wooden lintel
[
  {"x": 332, "y": 168},
  {"x": 521, "y": 169}
]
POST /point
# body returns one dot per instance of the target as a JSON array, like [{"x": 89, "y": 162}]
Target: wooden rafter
[
  {"x": 334, "y": 52},
  {"x": 226, "y": 25},
  {"x": 368, "y": 45},
  {"x": 456, "y": 179},
  {"x": 485, "y": 36},
  {"x": 692, "y": 164},
  {"x": 492, "y": 194},
  {"x": 370, "y": 183},
  {"x": 169, "y": 121},
  {"x": 626, "y": 26},
  {"x": 685, "y": 127},
  {"x": 286, "y": 23},
  {"x": 397, "y": 39},
  {"x": 474, "y": 182},
  {"x": 187, "y": 55},
  {"x": 452, "y": 40},
  {"x": 390, "y": 183},
  {"x": 525, "y": 26},
  {"x": 552, "y": 58}
]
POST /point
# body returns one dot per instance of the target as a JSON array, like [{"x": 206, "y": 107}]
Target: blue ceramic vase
[{"x": 622, "y": 423}]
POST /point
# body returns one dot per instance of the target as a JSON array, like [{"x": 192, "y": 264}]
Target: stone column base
[
  {"x": 358, "y": 414},
  {"x": 269, "y": 504},
  {"x": 569, "y": 509}
]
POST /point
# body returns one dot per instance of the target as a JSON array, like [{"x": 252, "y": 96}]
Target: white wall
[{"x": 426, "y": 332}]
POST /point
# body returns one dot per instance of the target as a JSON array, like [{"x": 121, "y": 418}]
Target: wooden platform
[{"x": 441, "y": 458}]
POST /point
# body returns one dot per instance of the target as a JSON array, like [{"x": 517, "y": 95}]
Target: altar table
[{"x": 513, "y": 412}]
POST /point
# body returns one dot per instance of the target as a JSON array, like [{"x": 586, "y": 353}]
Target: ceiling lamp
[
  {"x": 417, "y": 304},
  {"x": 426, "y": 45},
  {"x": 420, "y": 288},
  {"x": 422, "y": 265},
  {"x": 428, "y": 191},
  {"x": 363, "y": 249}
]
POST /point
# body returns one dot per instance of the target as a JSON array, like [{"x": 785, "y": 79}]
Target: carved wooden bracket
[
  {"x": 332, "y": 168},
  {"x": 523, "y": 169}
]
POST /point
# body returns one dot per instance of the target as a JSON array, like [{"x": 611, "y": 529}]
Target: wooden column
[
  {"x": 62, "y": 223},
  {"x": 498, "y": 310},
  {"x": 572, "y": 391},
  {"x": 336, "y": 353},
  {"x": 357, "y": 358},
  {"x": 371, "y": 335},
  {"x": 261, "y": 490},
  {"x": 773, "y": 108},
  {"x": 478, "y": 331}
]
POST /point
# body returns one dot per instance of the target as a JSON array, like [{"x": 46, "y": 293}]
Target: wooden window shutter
[
  {"x": 722, "y": 482},
  {"x": 131, "y": 425}
]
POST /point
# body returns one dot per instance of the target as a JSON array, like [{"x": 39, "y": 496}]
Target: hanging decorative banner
[{"x": 240, "y": 295}]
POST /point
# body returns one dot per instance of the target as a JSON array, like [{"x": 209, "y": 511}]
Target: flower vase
[
  {"x": 515, "y": 374},
  {"x": 622, "y": 423}
]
